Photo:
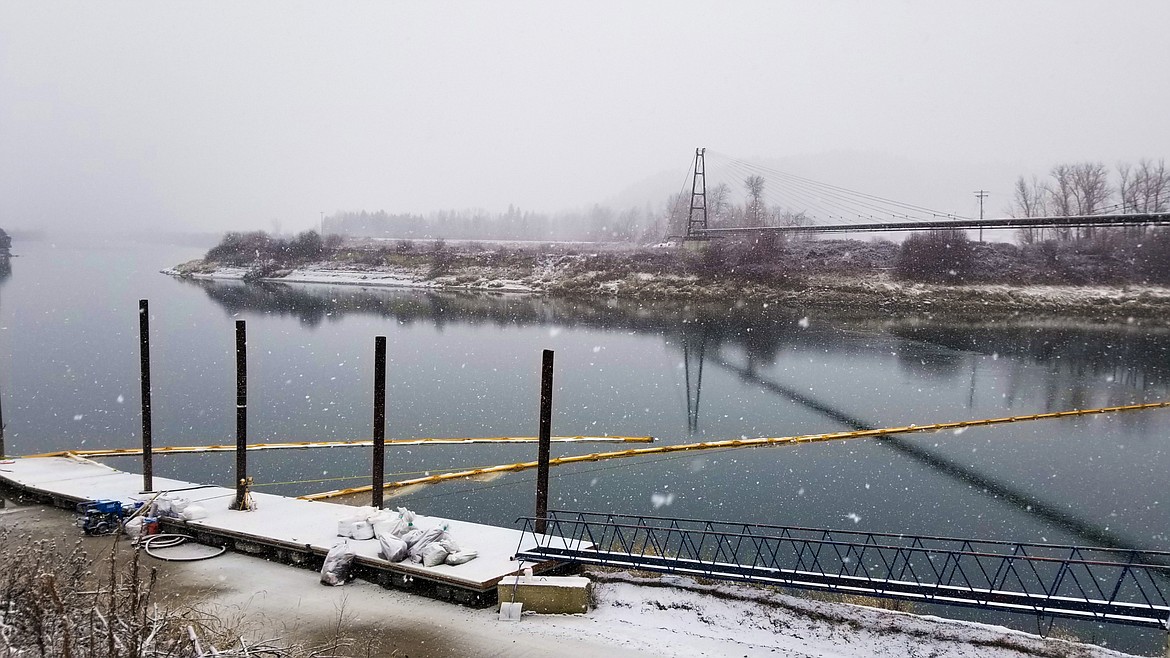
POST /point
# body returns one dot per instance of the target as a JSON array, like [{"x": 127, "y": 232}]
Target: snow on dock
[{"x": 287, "y": 529}]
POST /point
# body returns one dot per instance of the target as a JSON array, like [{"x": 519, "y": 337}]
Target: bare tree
[
  {"x": 1090, "y": 187},
  {"x": 755, "y": 210},
  {"x": 677, "y": 211},
  {"x": 1092, "y": 191},
  {"x": 1145, "y": 188},
  {"x": 782, "y": 217},
  {"x": 1029, "y": 200},
  {"x": 1079, "y": 189},
  {"x": 718, "y": 204}
]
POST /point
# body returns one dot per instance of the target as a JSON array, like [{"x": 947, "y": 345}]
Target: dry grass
[
  {"x": 58, "y": 602},
  {"x": 858, "y": 599}
]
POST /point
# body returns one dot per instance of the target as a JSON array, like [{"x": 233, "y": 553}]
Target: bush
[
  {"x": 306, "y": 246},
  {"x": 1153, "y": 259},
  {"x": 257, "y": 246},
  {"x": 939, "y": 256},
  {"x": 240, "y": 248}
]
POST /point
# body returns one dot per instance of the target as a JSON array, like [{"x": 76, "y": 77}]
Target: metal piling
[
  {"x": 545, "y": 434},
  {"x": 241, "y": 501},
  {"x": 144, "y": 352},
  {"x": 379, "y": 458}
]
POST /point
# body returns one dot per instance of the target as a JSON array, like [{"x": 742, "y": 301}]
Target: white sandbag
[
  {"x": 178, "y": 504},
  {"x": 393, "y": 548},
  {"x": 457, "y": 558},
  {"x": 411, "y": 538},
  {"x": 194, "y": 513},
  {"x": 133, "y": 527},
  {"x": 433, "y": 555},
  {"x": 160, "y": 507},
  {"x": 448, "y": 543},
  {"x": 383, "y": 527},
  {"x": 363, "y": 530},
  {"x": 338, "y": 564},
  {"x": 428, "y": 537},
  {"x": 401, "y": 527},
  {"x": 403, "y": 522},
  {"x": 345, "y": 526},
  {"x": 383, "y": 522},
  {"x": 382, "y": 515}
]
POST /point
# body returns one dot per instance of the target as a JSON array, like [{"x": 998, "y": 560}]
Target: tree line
[
  {"x": 598, "y": 223},
  {"x": 1088, "y": 188}
]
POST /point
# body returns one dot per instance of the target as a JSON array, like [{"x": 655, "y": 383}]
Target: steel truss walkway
[
  {"x": 1107, "y": 585},
  {"x": 1071, "y": 221}
]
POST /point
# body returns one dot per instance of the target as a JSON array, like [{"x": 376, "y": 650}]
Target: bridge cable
[
  {"x": 840, "y": 189},
  {"x": 846, "y": 205}
]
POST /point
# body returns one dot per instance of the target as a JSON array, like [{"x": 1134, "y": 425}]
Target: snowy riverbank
[{"x": 581, "y": 275}]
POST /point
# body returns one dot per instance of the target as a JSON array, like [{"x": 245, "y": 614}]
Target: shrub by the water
[
  {"x": 257, "y": 246},
  {"x": 941, "y": 256}
]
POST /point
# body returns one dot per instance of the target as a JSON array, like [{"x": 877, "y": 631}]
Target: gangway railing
[{"x": 1107, "y": 585}]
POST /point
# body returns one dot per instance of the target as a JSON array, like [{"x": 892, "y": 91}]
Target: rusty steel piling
[
  {"x": 379, "y": 458},
  {"x": 542, "y": 454},
  {"x": 144, "y": 370}
]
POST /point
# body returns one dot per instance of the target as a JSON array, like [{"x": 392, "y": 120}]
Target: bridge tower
[{"x": 697, "y": 216}]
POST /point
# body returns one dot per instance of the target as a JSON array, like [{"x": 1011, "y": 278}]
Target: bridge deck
[
  {"x": 288, "y": 529},
  {"x": 1109, "y": 585}
]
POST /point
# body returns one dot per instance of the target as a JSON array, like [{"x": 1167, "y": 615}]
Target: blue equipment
[{"x": 103, "y": 517}]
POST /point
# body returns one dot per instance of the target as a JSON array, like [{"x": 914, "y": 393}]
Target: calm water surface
[{"x": 468, "y": 365}]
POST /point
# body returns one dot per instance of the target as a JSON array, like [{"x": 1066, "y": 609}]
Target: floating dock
[{"x": 290, "y": 530}]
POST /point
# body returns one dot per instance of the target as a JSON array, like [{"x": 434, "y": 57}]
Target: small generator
[{"x": 103, "y": 517}]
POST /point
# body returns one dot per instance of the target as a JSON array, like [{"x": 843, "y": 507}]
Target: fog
[{"x": 216, "y": 116}]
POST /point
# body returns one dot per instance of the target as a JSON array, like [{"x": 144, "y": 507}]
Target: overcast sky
[{"x": 217, "y": 115}]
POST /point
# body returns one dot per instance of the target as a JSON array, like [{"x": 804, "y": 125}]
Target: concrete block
[{"x": 556, "y": 595}]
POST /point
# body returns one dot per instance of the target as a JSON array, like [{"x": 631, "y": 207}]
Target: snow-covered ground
[{"x": 633, "y": 615}]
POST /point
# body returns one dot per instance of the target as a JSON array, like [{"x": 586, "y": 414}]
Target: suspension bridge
[{"x": 816, "y": 207}]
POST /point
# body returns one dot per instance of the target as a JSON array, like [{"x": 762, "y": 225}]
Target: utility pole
[
  {"x": 981, "y": 194},
  {"x": 322, "y": 224}
]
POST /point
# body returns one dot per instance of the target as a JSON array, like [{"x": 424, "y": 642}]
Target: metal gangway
[{"x": 1120, "y": 586}]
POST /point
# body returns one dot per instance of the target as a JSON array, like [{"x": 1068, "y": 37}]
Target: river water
[{"x": 468, "y": 365}]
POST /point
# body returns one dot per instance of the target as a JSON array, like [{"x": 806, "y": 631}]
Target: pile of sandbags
[
  {"x": 400, "y": 539},
  {"x": 168, "y": 505}
]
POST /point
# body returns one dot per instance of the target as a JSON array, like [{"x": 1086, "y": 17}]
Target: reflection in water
[
  {"x": 1091, "y": 534},
  {"x": 760, "y": 334},
  {"x": 1135, "y": 356},
  {"x": 929, "y": 361},
  {"x": 1073, "y": 360},
  {"x": 694, "y": 354}
]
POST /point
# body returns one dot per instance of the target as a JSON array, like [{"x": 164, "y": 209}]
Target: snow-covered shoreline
[{"x": 563, "y": 275}]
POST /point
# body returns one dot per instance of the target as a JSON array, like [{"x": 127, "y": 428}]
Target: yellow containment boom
[
  {"x": 164, "y": 450},
  {"x": 736, "y": 443}
]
